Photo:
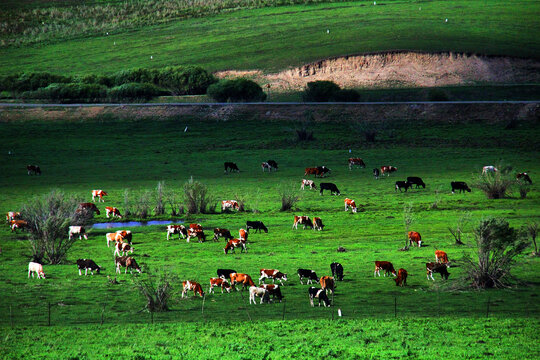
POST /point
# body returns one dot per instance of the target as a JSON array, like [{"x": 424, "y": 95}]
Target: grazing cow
[
  {"x": 415, "y": 237},
  {"x": 317, "y": 171},
  {"x": 260, "y": 292},
  {"x": 192, "y": 285},
  {"x": 111, "y": 237},
  {"x": 302, "y": 220},
  {"x": 309, "y": 183},
  {"x": 309, "y": 274},
  {"x": 243, "y": 279},
  {"x": 273, "y": 290},
  {"x": 13, "y": 215},
  {"x": 100, "y": 194},
  {"x": 317, "y": 223},
  {"x": 441, "y": 257},
  {"x": 114, "y": 212},
  {"x": 273, "y": 164},
  {"x": 225, "y": 273},
  {"x": 459, "y": 185},
  {"x": 87, "y": 264},
  {"x": 356, "y": 162},
  {"x": 401, "y": 278},
  {"x": 256, "y": 225},
  {"x": 127, "y": 262},
  {"x": 524, "y": 176},
  {"x": 320, "y": 294},
  {"x": 327, "y": 283},
  {"x": 415, "y": 180},
  {"x": 122, "y": 247},
  {"x": 266, "y": 166},
  {"x": 352, "y": 204},
  {"x": 337, "y": 271},
  {"x": 233, "y": 244},
  {"x": 18, "y": 224},
  {"x": 384, "y": 265},
  {"x": 230, "y": 166},
  {"x": 219, "y": 282},
  {"x": 199, "y": 234},
  {"x": 88, "y": 207},
  {"x": 218, "y": 232},
  {"x": 37, "y": 268},
  {"x": 176, "y": 229},
  {"x": 77, "y": 230},
  {"x": 196, "y": 227},
  {"x": 33, "y": 169},
  {"x": 376, "y": 173},
  {"x": 272, "y": 274},
  {"x": 229, "y": 204},
  {"x": 402, "y": 185},
  {"x": 329, "y": 186},
  {"x": 433, "y": 267},
  {"x": 387, "y": 169},
  {"x": 243, "y": 235},
  {"x": 489, "y": 169},
  {"x": 124, "y": 236}
]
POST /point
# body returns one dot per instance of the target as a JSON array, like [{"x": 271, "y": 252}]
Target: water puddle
[{"x": 128, "y": 224}]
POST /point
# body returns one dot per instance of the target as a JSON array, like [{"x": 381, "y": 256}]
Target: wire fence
[{"x": 52, "y": 313}]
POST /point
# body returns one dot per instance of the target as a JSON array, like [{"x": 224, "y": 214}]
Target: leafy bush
[
  {"x": 49, "y": 218},
  {"x": 498, "y": 246},
  {"x": 156, "y": 290},
  {"x": 96, "y": 79},
  {"x": 136, "y": 75},
  {"x": 289, "y": 198},
  {"x": 236, "y": 90},
  {"x": 185, "y": 80},
  {"x": 494, "y": 185},
  {"x": 134, "y": 91},
  {"x": 66, "y": 92},
  {"x": 31, "y": 81},
  {"x": 320, "y": 91}
]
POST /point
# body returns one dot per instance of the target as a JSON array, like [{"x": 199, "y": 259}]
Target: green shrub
[
  {"x": 185, "y": 80},
  {"x": 8, "y": 82},
  {"x": 66, "y": 92},
  {"x": 134, "y": 91},
  {"x": 136, "y": 75},
  {"x": 96, "y": 79},
  {"x": 320, "y": 91},
  {"x": 236, "y": 90},
  {"x": 347, "y": 95},
  {"x": 31, "y": 81}
]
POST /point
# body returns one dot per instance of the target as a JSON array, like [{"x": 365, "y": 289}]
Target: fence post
[
  {"x": 244, "y": 301},
  {"x": 10, "y": 316},
  {"x": 487, "y": 308},
  {"x": 283, "y": 317},
  {"x": 102, "y": 314},
  {"x": 152, "y": 317},
  {"x": 202, "y": 307},
  {"x": 333, "y": 305},
  {"x": 49, "y": 307},
  {"x": 395, "y": 306}
]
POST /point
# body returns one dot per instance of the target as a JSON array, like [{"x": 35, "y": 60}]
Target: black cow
[
  {"x": 402, "y": 184},
  {"x": 257, "y": 225},
  {"x": 274, "y": 290},
  {"x": 309, "y": 274},
  {"x": 87, "y": 264},
  {"x": 337, "y": 271},
  {"x": 218, "y": 232},
  {"x": 376, "y": 173},
  {"x": 225, "y": 273},
  {"x": 273, "y": 164},
  {"x": 459, "y": 185},
  {"x": 33, "y": 169},
  {"x": 323, "y": 169},
  {"x": 329, "y": 186},
  {"x": 433, "y": 267},
  {"x": 230, "y": 166},
  {"x": 414, "y": 180},
  {"x": 319, "y": 294}
]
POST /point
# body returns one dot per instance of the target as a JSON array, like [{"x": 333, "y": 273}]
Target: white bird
[
  {"x": 328, "y": 31},
  {"x": 151, "y": 57},
  {"x": 374, "y": 3},
  {"x": 185, "y": 130},
  {"x": 445, "y": 20}
]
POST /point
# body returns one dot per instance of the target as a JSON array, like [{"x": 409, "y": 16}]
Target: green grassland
[
  {"x": 275, "y": 38},
  {"x": 114, "y": 155}
]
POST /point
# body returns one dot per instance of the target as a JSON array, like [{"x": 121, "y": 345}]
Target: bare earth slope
[{"x": 409, "y": 69}]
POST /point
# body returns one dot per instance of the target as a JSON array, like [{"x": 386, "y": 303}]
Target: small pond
[{"x": 128, "y": 224}]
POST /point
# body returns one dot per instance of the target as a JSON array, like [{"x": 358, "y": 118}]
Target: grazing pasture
[{"x": 114, "y": 154}]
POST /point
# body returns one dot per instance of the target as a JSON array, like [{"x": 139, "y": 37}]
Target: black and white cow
[
  {"x": 459, "y": 185},
  {"x": 87, "y": 264},
  {"x": 273, "y": 164},
  {"x": 329, "y": 186},
  {"x": 434, "y": 267},
  {"x": 402, "y": 185},
  {"x": 415, "y": 180},
  {"x": 337, "y": 271},
  {"x": 256, "y": 225},
  {"x": 376, "y": 173},
  {"x": 309, "y": 274},
  {"x": 320, "y": 294},
  {"x": 225, "y": 273}
]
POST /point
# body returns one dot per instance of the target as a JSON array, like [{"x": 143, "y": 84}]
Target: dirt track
[{"x": 401, "y": 69}]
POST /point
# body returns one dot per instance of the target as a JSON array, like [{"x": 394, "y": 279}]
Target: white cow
[
  {"x": 309, "y": 183},
  {"x": 489, "y": 169},
  {"x": 123, "y": 248},
  {"x": 35, "y": 268},
  {"x": 77, "y": 230},
  {"x": 257, "y": 291}
]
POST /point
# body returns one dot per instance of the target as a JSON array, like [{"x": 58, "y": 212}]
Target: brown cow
[
  {"x": 442, "y": 269},
  {"x": 387, "y": 169},
  {"x": 441, "y": 257},
  {"x": 233, "y": 244},
  {"x": 176, "y": 229},
  {"x": 13, "y": 215},
  {"x": 89, "y": 207},
  {"x": 127, "y": 262},
  {"x": 244, "y": 279},
  {"x": 219, "y": 282},
  {"x": 98, "y": 193},
  {"x": 302, "y": 220},
  {"x": 401, "y": 278},
  {"x": 219, "y": 232},
  {"x": 317, "y": 224},
  {"x": 114, "y": 212},
  {"x": 18, "y": 224},
  {"x": 192, "y": 285},
  {"x": 356, "y": 162},
  {"x": 327, "y": 283},
  {"x": 415, "y": 237},
  {"x": 384, "y": 265},
  {"x": 272, "y": 274}
]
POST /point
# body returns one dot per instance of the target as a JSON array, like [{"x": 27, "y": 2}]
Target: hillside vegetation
[{"x": 275, "y": 38}]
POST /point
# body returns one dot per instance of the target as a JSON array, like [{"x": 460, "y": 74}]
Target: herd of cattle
[{"x": 228, "y": 279}]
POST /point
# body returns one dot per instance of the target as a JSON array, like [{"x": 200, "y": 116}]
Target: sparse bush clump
[
  {"x": 68, "y": 92},
  {"x": 135, "y": 91},
  {"x": 498, "y": 246},
  {"x": 185, "y": 80},
  {"x": 494, "y": 185},
  {"x": 289, "y": 198},
  {"x": 49, "y": 218},
  {"x": 142, "y": 207},
  {"x": 197, "y": 199},
  {"x": 237, "y": 90},
  {"x": 160, "y": 201},
  {"x": 157, "y": 290}
]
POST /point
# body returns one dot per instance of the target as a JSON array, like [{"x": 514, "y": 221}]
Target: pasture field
[
  {"x": 112, "y": 154},
  {"x": 275, "y": 38}
]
